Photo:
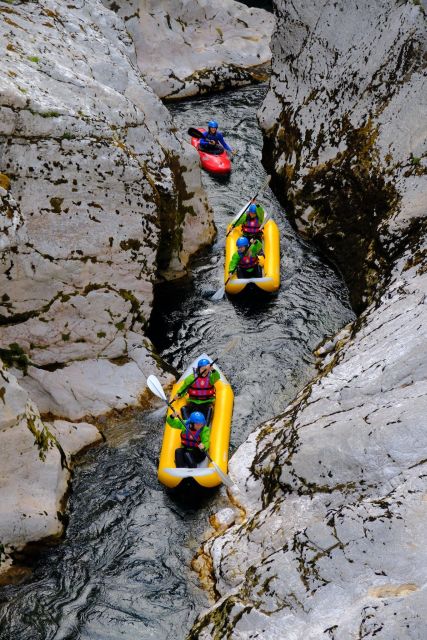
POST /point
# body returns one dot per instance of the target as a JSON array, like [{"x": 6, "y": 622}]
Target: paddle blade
[
  {"x": 224, "y": 477},
  {"x": 195, "y": 133},
  {"x": 155, "y": 387},
  {"x": 218, "y": 295},
  {"x": 266, "y": 219}
]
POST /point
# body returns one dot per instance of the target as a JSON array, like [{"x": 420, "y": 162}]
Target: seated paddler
[
  {"x": 213, "y": 140},
  {"x": 195, "y": 436},
  {"x": 200, "y": 389},
  {"x": 251, "y": 222},
  {"x": 245, "y": 260}
]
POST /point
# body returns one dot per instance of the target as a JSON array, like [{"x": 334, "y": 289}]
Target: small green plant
[
  {"x": 22, "y": 90},
  {"x": 43, "y": 438},
  {"x": 101, "y": 334},
  {"x": 415, "y": 161},
  {"x": 49, "y": 114},
  {"x": 15, "y": 356},
  {"x": 33, "y": 58}
]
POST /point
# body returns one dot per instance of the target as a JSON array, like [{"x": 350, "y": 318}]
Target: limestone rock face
[
  {"x": 33, "y": 459},
  {"x": 345, "y": 124},
  {"x": 98, "y": 197},
  {"x": 190, "y": 47}
]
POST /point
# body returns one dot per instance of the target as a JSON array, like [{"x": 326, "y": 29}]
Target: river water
[{"x": 122, "y": 571}]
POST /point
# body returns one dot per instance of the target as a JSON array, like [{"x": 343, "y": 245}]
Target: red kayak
[{"x": 218, "y": 163}]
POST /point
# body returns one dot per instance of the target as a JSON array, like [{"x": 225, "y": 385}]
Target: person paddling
[
  {"x": 245, "y": 259},
  {"x": 195, "y": 438},
  {"x": 200, "y": 387},
  {"x": 212, "y": 139},
  {"x": 251, "y": 222}
]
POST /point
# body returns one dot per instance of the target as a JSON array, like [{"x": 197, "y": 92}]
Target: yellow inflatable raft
[
  {"x": 270, "y": 280},
  {"x": 204, "y": 475}
]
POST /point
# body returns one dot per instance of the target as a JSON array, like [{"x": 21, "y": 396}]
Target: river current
[{"x": 123, "y": 568}]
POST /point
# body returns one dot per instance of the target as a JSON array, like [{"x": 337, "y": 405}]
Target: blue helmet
[
  {"x": 204, "y": 362},
  {"x": 197, "y": 417},
  {"x": 252, "y": 208},
  {"x": 242, "y": 242},
  {"x": 213, "y": 124}
]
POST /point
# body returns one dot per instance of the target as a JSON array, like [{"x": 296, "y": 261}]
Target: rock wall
[
  {"x": 99, "y": 199},
  {"x": 345, "y": 126},
  {"x": 333, "y": 544},
  {"x": 34, "y": 469},
  {"x": 190, "y": 47}
]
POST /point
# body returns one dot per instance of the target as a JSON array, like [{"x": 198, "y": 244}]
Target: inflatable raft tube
[
  {"x": 218, "y": 164},
  {"x": 270, "y": 280},
  {"x": 204, "y": 475}
]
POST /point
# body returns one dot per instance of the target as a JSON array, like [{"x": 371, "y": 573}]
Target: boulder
[
  {"x": 190, "y": 47},
  {"x": 34, "y": 467}
]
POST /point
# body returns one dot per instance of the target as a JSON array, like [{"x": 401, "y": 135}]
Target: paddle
[
  {"x": 195, "y": 133},
  {"x": 266, "y": 219},
  {"x": 155, "y": 387},
  {"x": 218, "y": 295}
]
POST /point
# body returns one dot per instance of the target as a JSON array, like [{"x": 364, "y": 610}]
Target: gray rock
[
  {"x": 190, "y": 47},
  {"x": 345, "y": 129}
]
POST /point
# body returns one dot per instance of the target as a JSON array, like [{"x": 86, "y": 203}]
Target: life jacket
[
  {"x": 211, "y": 136},
  {"x": 251, "y": 226},
  {"x": 201, "y": 388},
  {"x": 190, "y": 438},
  {"x": 248, "y": 261}
]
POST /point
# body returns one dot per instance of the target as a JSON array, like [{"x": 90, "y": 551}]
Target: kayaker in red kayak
[{"x": 213, "y": 139}]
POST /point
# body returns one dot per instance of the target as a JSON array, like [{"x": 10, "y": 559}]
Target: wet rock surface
[
  {"x": 190, "y": 47},
  {"x": 335, "y": 488}
]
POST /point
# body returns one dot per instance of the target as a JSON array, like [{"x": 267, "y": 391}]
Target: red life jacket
[
  {"x": 190, "y": 438},
  {"x": 201, "y": 388},
  {"x": 251, "y": 226},
  {"x": 248, "y": 261}
]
